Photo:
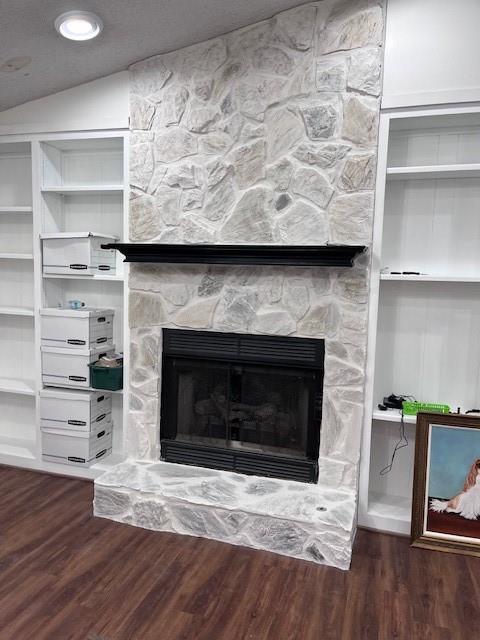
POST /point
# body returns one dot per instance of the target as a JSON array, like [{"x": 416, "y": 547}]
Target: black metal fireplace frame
[{"x": 294, "y": 353}]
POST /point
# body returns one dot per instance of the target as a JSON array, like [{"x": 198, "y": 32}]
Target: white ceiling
[{"x": 134, "y": 29}]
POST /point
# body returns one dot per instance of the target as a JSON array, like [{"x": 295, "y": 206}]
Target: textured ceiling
[{"x": 134, "y": 29}]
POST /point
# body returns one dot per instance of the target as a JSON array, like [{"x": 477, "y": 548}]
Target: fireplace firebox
[{"x": 245, "y": 403}]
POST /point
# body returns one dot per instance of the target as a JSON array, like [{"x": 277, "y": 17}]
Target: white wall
[
  {"x": 101, "y": 104},
  {"x": 432, "y": 52}
]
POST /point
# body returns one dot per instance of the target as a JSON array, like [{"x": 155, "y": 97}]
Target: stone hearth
[
  {"x": 267, "y": 135},
  {"x": 300, "y": 520}
]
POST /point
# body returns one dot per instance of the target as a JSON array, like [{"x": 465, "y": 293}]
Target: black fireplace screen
[{"x": 245, "y": 403}]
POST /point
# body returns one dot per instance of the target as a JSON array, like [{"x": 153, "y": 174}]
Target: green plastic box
[
  {"x": 412, "y": 408},
  {"x": 108, "y": 378}
]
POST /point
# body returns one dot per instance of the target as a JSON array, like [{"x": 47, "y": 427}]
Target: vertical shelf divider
[{"x": 38, "y": 283}]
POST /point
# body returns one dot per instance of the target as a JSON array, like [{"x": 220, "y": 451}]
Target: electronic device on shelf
[{"x": 392, "y": 402}]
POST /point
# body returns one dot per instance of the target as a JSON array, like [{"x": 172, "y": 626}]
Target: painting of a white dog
[{"x": 467, "y": 502}]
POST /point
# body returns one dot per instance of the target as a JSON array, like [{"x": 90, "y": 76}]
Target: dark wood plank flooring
[{"x": 65, "y": 575}]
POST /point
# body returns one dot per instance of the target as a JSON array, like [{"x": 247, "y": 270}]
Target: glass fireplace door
[
  {"x": 240, "y": 402},
  {"x": 257, "y": 408}
]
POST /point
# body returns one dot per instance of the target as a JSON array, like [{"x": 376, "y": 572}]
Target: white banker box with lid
[
  {"x": 69, "y": 367},
  {"x": 76, "y": 426},
  {"x": 74, "y": 410},
  {"x": 77, "y": 448},
  {"x": 76, "y": 328},
  {"x": 78, "y": 252}
]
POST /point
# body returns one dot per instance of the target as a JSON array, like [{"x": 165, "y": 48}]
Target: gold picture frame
[{"x": 447, "y": 463}]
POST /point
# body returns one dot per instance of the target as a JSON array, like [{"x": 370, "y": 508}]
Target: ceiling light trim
[{"x": 79, "y": 25}]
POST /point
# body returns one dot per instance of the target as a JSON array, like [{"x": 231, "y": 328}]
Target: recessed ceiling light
[{"x": 78, "y": 25}]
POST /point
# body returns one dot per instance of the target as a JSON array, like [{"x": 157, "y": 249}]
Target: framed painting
[{"x": 446, "y": 485}]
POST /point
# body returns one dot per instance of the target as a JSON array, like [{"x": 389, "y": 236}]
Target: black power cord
[{"x": 403, "y": 440}]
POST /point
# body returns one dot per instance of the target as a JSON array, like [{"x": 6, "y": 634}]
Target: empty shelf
[
  {"x": 99, "y": 277},
  {"x": 394, "y": 277},
  {"x": 14, "y": 209},
  {"x": 16, "y": 256},
  {"x": 15, "y": 311},
  {"x": 15, "y": 385},
  {"x": 89, "y": 188},
  {"x": 17, "y": 447},
  {"x": 434, "y": 172},
  {"x": 388, "y": 506}
]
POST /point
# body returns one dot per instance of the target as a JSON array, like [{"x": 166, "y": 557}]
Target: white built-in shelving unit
[
  {"x": 50, "y": 183},
  {"x": 424, "y": 330}
]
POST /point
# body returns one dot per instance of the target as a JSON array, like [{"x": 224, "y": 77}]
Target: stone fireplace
[{"x": 267, "y": 135}]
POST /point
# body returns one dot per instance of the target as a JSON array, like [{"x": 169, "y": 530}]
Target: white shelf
[
  {"x": 14, "y": 209},
  {"x": 389, "y": 513},
  {"x": 105, "y": 278},
  {"x": 17, "y": 448},
  {"x": 88, "y": 167},
  {"x": 16, "y": 256},
  {"x": 396, "y": 507},
  {"x": 434, "y": 172},
  {"x": 427, "y": 278},
  {"x": 393, "y": 415},
  {"x": 422, "y": 338},
  {"x": 19, "y": 387},
  {"x": 76, "y": 189},
  {"x": 16, "y": 311},
  {"x": 118, "y": 392}
]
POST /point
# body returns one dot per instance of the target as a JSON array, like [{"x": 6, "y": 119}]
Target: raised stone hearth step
[{"x": 290, "y": 518}]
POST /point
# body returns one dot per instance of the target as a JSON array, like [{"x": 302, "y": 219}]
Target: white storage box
[
  {"x": 77, "y": 448},
  {"x": 74, "y": 329},
  {"x": 74, "y": 410},
  {"x": 69, "y": 367},
  {"x": 78, "y": 253}
]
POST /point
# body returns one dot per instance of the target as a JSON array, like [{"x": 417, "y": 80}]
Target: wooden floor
[{"x": 66, "y": 575}]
